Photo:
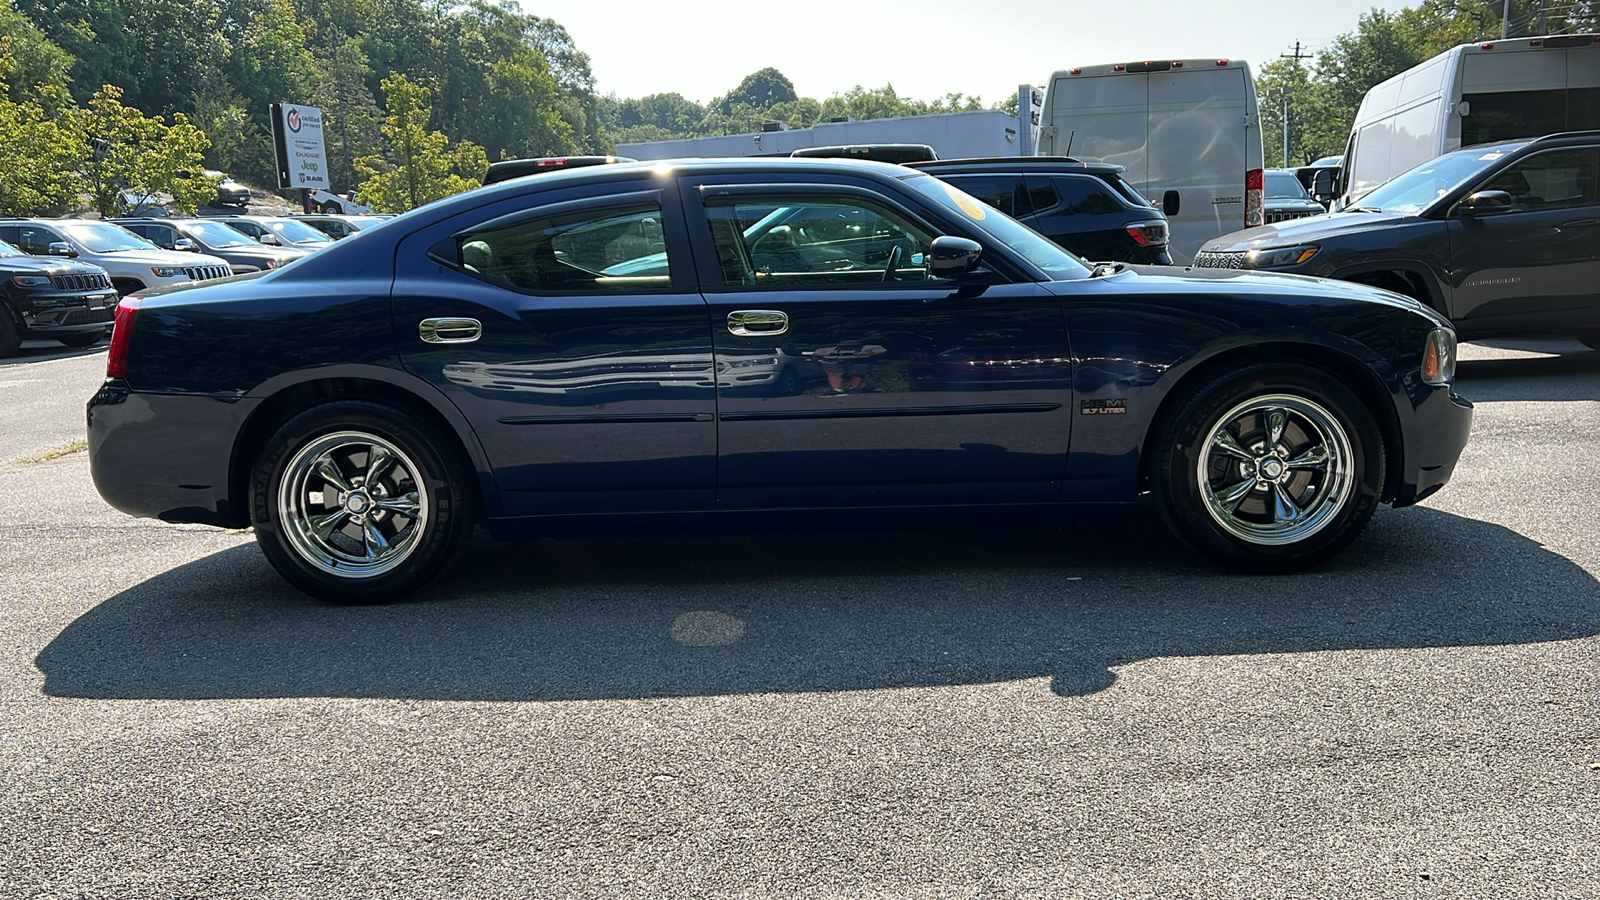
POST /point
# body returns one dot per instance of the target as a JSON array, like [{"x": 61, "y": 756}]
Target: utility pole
[
  {"x": 1505, "y": 19},
  {"x": 1283, "y": 93}
]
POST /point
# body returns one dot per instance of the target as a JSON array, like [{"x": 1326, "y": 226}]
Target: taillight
[
  {"x": 1252, "y": 198},
  {"x": 1148, "y": 234},
  {"x": 121, "y": 336}
]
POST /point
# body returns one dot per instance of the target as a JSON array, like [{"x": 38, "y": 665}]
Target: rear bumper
[
  {"x": 166, "y": 456},
  {"x": 1441, "y": 423}
]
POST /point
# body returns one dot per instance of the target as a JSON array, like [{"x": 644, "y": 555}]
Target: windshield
[
  {"x": 215, "y": 235},
  {"x": 1283, "y": 186},
  {"x": 8, "y": 250},
  {"x": 297, "y": 232},
  {"x": 1036, "y": 248},
  {"x": 103, "y": 237},
  {"x": 1413, "y": 191}
]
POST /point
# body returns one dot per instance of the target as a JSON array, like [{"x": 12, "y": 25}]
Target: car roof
[{"x": 1019, "y": 164}]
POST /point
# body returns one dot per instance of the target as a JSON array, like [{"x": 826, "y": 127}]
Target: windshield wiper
[
  {"x": 1105, "y": 268},
  {"x": 1365, "y": 209}
]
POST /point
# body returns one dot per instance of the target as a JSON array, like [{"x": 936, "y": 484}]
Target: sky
[{"x": 925, "y": 48}]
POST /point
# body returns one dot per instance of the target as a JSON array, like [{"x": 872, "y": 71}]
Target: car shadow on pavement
[
  {"x": 692, "y": 616},
  {"x": 1567, "y": 376}
]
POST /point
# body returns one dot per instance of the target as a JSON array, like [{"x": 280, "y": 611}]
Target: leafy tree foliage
[
  {"x": 36, "y": 63},
  {"x": 39, "y": 152},
  {"x": 418, "y": 166},
  {"x": 142, "y": 154}
]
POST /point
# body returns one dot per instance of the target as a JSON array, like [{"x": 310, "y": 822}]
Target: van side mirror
[
  {"x": 1484, "y": 203},
  {"x": 60, "y": 248},
  {"x": 953, "y": 257},
  {"x": 1169, "y": 203},
  {"x": 1324, "y": 185}
]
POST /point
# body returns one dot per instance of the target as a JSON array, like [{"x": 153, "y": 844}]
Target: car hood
[
  {"x": 51, "y": 266},
  {"x": 264, "y": 253},
  {"x": 1308, "y": 230},
  {"x": 1265, "y": 285},
  {"x": 179, "y": 258}
]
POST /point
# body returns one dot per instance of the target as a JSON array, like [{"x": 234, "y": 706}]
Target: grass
[{"x": 57, "y": 453}]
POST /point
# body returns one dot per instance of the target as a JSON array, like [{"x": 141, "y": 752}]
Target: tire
[
  {"x": 1260, "y": 509},
  {"x": 10, "y": 334},
  {"x": 370, "y": 545},
  {"x": 82, "y": 339},
  {"x": 330, "y": 208},
  {"x": 789, "y": 382}
]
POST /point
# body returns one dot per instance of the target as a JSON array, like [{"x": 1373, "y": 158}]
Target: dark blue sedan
[{"x": 746, "y": 340}]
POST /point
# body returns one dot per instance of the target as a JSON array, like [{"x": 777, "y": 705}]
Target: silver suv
[{"x": 132, "y": 262}]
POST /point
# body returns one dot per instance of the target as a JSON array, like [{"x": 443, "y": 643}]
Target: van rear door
[{"x": 1204, "y": 140}]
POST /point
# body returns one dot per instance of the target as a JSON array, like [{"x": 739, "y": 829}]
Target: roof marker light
[
  {"x": 1486, "y": 45},
  {"x": 1222, "y": 62},
  {"x": 1177, "y": 64},
  {"x": 1536, "y": 43},
  {"x": 1077, "y": 71},
  {"x": 1119, "y": 67}
]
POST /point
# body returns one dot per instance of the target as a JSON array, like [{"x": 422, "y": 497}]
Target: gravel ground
[{"x": 1082, "y": 711}]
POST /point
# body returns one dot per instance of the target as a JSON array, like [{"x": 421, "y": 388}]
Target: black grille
[
  {"x": 87, "y": 282},
  {"x": 1286, "y": 215},
  {"x": 87, "y": 316},
  {"x": 206, "y": 273},
  {"x": 1230, "y": 260}
]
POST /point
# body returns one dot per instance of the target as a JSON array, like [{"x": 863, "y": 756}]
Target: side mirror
[
  {"x": 1484, "y": 203},
  {"x": 270, "y": 239},
  {"x": 60, "y": 248},
  {"x": 953, "y": 257},
  {"x": 1323, "y": 186},
  {"x": 185, "y": 244},
  {"x": 1170, "y": 203}
]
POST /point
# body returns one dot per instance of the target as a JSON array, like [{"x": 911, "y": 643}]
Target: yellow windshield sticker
[{"x": 968, "y": 204}]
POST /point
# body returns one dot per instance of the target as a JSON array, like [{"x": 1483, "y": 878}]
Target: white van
[
  {"x": 1188, "y": 132},
  {"x": 1472, "y": 94}
]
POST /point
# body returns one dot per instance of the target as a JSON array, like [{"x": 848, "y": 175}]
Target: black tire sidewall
[
  {"x": 10, "y": 333},
  {"x": 441, "y": 474},
  {"x": 1177, "y": 485}
]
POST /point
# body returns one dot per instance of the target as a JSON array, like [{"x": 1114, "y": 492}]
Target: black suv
[
  {"x": 1085, "y": 207},
  {"x": 52, "y": 299},
  {"x": 1502, "y": 238}
]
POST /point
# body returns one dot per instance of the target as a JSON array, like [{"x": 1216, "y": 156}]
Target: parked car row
[{"x": 62, "y": 276}]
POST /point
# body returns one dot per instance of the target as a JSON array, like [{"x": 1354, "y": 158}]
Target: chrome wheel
[
  {"x": 350, "y": 505},
  {"x": 1275, "y": 469}
]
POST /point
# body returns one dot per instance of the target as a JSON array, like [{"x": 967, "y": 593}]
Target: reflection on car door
[
  {"x": 908, "y": 390},
  {"x": 570, "y": 335},
  {"x": 1538, "y": 265}
]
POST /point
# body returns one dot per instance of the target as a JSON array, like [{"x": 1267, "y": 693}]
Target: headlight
[
  {"x": 165, "y": 271},
  {"x": 1280, "y": 256},
  {"x": 1439, "y": 357},
  {"x": 272, "y": 264},
  {"x": 30, "y": 280}
]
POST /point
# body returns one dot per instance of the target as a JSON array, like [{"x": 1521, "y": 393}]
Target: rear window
[{"x": 1085, "y": 195}]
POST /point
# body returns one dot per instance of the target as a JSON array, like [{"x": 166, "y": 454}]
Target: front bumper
[
  {"x": 50, "y": 315},
  {"x": 1440, "y": 425}
]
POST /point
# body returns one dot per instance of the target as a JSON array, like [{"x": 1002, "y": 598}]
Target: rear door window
[
  {"x": 604, "y": 250},
  {"x": 1085, "y": 195}
]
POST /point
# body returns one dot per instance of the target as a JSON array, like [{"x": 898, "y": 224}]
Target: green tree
[
  {"x": 1304, "y": 111},
  {"x": 35, "y": 61},
  {"x": 40, "y": 153},
  {"x": 418, "y": 166},
  {"x": 758, "y": 90},
  {"x": 142, "y": 154},
  {"x": 351, "y": 118}
]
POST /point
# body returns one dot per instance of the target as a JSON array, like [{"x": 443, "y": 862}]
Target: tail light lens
[
  {"x": 1439, "y": 357},
  {"x": 1253, "y": 181},
  {"x": 1148, "y": 234},
  {"x": 122, "y": 336}
]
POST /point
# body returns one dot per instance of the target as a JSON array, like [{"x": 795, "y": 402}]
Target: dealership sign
[{"x": 297, "y": 137}]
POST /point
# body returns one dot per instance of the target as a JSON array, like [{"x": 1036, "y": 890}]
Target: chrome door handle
[
  {"x": 757, "y": 322},
  {"x": 450, "y": 331}
]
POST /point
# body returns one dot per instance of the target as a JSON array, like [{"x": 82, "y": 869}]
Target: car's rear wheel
[
  {"x": 330, "y": 208},
  {"x": 1272, "y": 468},
  {"x": 358, "y": 502}
]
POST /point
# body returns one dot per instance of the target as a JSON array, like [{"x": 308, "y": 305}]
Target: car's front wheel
[
  {"x": 1271, "y": 468},
  {"x": 359, "y": 502}
]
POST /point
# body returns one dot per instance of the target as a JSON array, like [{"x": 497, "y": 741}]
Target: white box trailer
[
  {"x": 1472, "y": 94},
  {"x": 979, "y": 132},
  {"x": 1187, "y": 131}
]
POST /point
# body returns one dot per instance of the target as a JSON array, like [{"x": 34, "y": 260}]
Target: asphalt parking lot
[{"x": 1083, "y": 710}]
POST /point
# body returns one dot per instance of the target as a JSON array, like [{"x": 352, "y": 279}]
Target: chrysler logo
[{"x": 294, "y": 120}]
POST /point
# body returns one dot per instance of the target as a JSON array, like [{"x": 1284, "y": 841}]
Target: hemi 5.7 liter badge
[{"x": 1104, "y": 407}]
